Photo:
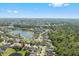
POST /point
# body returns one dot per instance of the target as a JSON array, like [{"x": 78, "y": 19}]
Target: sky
[{"x": 39, "y": 10}]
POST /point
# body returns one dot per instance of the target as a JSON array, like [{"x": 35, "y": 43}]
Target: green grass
[
  {"x": 8, "y": 51},
  {"x": 1, "y": 44},
  {"x": 23, "y": 52}
]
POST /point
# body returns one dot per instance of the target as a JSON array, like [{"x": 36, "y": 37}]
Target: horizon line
[{"x": 39, "y": 18}]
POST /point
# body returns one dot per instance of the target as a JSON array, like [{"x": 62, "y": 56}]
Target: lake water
[{"x": 26, "y": 34}]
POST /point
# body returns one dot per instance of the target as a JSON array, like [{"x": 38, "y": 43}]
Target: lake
[{"x": 26, "y": 34}]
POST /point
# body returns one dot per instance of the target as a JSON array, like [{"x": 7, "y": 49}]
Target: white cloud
[
  {"x": 50, "y": 4},
  {"x": 15, "y": 11},
  {"x": 38, "y": 1},
  {"x": 66, "y": 4},
  {"x": 58, "y": 4},
  {"x": 12, "y": 11},
  {"x": 9, "y": 11}
]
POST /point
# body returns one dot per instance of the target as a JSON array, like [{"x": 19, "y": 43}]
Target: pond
[{"x": 26, "y": 34}]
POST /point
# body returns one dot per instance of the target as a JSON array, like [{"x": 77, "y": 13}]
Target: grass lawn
[{"x": 8, "y": 51}]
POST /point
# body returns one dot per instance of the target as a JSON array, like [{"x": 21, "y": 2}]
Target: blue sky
[{"x": 39, "y": 10}]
